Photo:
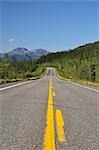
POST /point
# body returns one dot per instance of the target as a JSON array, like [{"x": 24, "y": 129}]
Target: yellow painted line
[
  {"x": 60, "y": 126},
  {"x": 54, "y": 94},
  {"x": 49, "y": 137}
]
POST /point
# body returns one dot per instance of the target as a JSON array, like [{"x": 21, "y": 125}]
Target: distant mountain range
[
  {"x": 23, "y": 54},
  {"x": 1, "y": 55}
]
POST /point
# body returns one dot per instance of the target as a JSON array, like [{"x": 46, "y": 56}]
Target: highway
[{"x": 49, "y": 114}]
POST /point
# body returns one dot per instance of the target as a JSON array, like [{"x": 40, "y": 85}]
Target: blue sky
[{"x": 52, "y": 25}]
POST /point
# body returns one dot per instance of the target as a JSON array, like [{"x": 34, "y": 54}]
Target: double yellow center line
[
  {"x": 49, "y": 140},
  {"x": 49, "y": 137}
]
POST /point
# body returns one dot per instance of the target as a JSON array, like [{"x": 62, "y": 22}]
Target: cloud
[{"x": 11, "y": 40}]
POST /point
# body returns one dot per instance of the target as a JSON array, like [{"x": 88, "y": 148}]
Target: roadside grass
[
  {"x": 40, "y": 72},
  {"x": 61, "y": 75}
]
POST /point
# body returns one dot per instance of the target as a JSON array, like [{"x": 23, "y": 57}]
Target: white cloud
[{"x": 11, "y": 40}]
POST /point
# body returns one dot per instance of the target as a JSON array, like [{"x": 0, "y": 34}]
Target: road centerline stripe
[
  {"x": 54, "y": 94},
  {"x": 60, "y": 126},
  {"x": 49, "y": 136}
]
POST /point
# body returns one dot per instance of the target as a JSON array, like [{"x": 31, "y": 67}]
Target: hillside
[{"x": 79, "y": 63}]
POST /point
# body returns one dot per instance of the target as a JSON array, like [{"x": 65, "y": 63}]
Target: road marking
[
  {"x": 15, "y": 85},
  {"x": 60, "y": 126},
  {"x": 18, "y": 84},
  {"x": 85, "y": 87},
  {"x": 54, "y": 94},
  {"x": 49, "y": 137},
  {"x": 52, "y": 87}
]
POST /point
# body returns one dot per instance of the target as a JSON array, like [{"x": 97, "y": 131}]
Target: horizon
[
  {"x": 50, "y": 25},
  {"x": 49, "y": 50}
]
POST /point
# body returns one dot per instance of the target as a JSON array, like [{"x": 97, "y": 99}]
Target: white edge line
[
  {"x": 18, "y": 84},
  {"x": 15, "y": 85},
  {"x": 59, "y": 78},
  {"x": 85, "y": 87}
]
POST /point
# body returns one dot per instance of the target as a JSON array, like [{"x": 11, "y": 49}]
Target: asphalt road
[{"x": 23, "y": 110}]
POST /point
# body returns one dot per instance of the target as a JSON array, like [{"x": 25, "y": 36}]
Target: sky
[{"x": 51, "y": 25}]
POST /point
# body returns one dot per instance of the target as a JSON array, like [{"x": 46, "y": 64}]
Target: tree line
[{"x": 80, "y": 63}]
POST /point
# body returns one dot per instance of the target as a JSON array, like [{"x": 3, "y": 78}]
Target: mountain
[
  {"x": 23, "y": 54},
  {"x": 20, "y": 54},
  {"x": 1, "y": 55},
  {"x": 18, "y": 51},
  {"x": 40, "y": 52}
]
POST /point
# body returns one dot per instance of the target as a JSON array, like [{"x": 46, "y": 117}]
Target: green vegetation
[
  {"x": 80, "y": 64},
  {"x": 16, "y": 71}
]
